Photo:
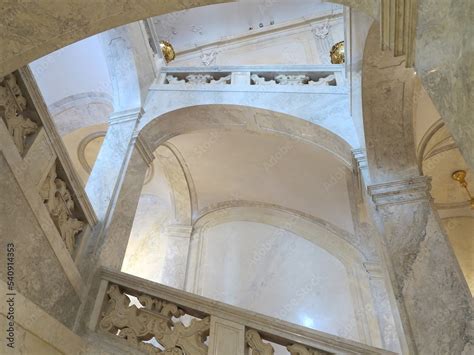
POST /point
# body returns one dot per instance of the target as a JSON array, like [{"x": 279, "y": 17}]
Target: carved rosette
[
  {"x": 13, "y": 109},
  {"x": 58, "y": 200},
  {"x": 154, "y": 321}
]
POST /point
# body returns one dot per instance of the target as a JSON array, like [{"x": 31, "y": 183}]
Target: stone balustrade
[
  {"x": 154, "y": 318},
  {"x": 274, "y": 78}
]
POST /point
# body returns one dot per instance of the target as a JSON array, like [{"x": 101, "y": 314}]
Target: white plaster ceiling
[
  {"x": 202, "y": 25},
  {"x": 76, "y": 69},
  {"x": 229, "y": 165}
]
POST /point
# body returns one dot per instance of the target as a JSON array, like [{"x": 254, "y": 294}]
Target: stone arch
[
  {"x": 202, "y": 117},
  {"x": 315, "y": 231},
  {"x": 186, "y": 120}
]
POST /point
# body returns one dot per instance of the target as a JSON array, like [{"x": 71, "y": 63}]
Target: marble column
[
  {"x": 102, "y": 182},
  {"x": 432, "y": 296},
  {"x": 112, "y": 244}
]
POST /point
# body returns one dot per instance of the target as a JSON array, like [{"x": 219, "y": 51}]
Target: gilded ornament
[
  {"x": 337, "y": 53},
  {"x": 167, "y": 50}
]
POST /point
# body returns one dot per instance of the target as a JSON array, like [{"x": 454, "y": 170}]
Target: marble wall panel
[{"x": 38, "y": 272}]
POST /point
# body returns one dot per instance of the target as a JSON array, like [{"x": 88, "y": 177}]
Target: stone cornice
[
  {"x": 126, "y": 116},
  {"x": 144, "y": 149},
  {"x": 360, "y": 157},
  {"x": 401, "y": 191}
]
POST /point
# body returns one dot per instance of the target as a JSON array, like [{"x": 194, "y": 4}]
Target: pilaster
[
  {"x": 112, "y": 158},
  {"x": 432, "y": 296}
]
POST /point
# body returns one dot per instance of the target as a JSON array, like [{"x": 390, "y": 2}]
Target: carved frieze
[
  {"x": 292, "y": 79},
  {"x": 13, "y": 108},
  {"x": 155, "y": 321},
  {"x": 199, "y": 79},
  {"x": 58, "y": 200}
]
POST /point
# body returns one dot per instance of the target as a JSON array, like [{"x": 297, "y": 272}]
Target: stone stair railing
[
  {"x": 153, "y": 319},
  {"x": 274, "y": 78}
]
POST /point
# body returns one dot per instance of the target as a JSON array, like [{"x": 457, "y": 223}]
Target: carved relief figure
[
  {"x": 60, "y": 205},
  {"x": 14, "y": 103},
  {"x": 154, "y": 320}
]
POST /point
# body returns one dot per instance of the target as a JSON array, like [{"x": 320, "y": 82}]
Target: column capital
[
  {"x": 133, "y": 114},
  {"x": 401, "y": 192},
  {"x": 144, "y": 149}
]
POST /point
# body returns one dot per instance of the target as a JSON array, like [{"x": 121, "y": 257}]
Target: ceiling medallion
[
  {"x": 337, "y": 53},
  {"x": 167, "y": 50},
  {"x": 460, "y": 176}
]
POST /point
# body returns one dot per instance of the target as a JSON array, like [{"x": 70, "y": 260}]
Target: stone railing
[
  {"x": 305, "y": 78},
  {"x": 153, "y": 318}
]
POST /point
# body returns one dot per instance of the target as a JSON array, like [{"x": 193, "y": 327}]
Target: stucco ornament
[
  {"x": 153, "y": 321},
  {"x": 60, "y": 205},
  {"x": 321, "y": 31},
  {"x": 14, "y": 104},
  {"x": 208, "y": 58}
]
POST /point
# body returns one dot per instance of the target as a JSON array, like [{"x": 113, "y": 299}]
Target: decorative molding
[
  {"x": 73, "y": 100},
  {"x": 144, "y": 149},
  {"x": 82, "y": 146},
  {"x": 178, "y": 231},
  {"x": 262, "y": 34},
  {"x": 360, "y": 158},
  {"x": 401, "y": 192},
  {"x": 126, "y": 116},
  {"x": 374, "y": 270},
  {"x": 187, "y": 175},
  {"x": 360, "y": 166}
]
